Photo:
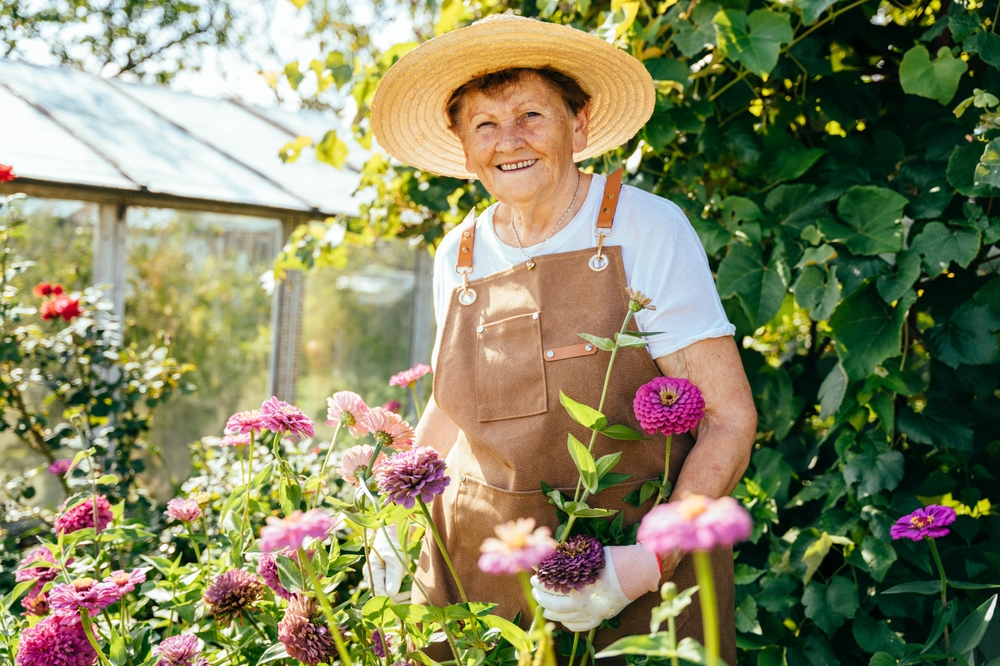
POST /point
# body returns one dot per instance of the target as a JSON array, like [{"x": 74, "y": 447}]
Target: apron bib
[{"x": 508, "y": 346}]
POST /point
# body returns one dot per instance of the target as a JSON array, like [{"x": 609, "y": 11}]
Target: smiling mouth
[{"x": 516, "y": 166}]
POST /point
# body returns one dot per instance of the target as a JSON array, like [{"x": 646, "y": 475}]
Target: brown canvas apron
[{"x": 502, "y": 361}]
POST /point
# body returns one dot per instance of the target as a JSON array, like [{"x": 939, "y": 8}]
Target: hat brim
[{"x": 409, "y": 110}]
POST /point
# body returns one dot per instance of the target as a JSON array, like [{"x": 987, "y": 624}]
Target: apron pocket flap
[{"x": 510, "y": 373}]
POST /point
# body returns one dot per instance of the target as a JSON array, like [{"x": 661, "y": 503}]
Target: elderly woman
[{"x": 516, "y": 103}]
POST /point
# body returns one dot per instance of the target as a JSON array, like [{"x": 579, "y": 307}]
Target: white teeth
[{"x": 519, "y": 165}]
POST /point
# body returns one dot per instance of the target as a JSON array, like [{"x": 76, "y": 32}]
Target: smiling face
[{"x": 521, "y": 142}]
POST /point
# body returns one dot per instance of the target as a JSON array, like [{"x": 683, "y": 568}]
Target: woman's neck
[{"x": 535, "y": 220}]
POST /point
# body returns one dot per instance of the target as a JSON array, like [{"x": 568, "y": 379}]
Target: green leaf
[
  {"x": 273, "y": 653},
  {"x": 987, "y": 45},
  {"x": 809, "y": 287},
  {"x": 116, "y": 651},
  {"x": 893, "y": 285},
  {"x": 814, "y": 556},
  {"x": 630, "y": 341},
  {"x": 586, "y": 416},
  {"x": 942, "y": 618},
  {"x": 935, "y": 80},
  {"x": 696, "y": 35},
  {"x": 622, "y": 432},
  {"x": 606, "y": 463},
  {"x": 941, "y": 245},
  {"x": 772, "y": 656},
  {"x": 872, "y": 471},
  {"x": 966, "y": 336},
  {"x": 832, "y": 391},
  {"x": 935, "y": 427},
  {"x": 961, "y": 585},
  {"x": 961, "y": 171},
  {"x": 760, "y": 286},
  {"x": 339, "y": 67},
  {"x": 829, "y": 607},
  {"x": 866, "y": 330},
  {"x": 878, "y": 555},
  {"x": 607, "y": 344},
  {"x": 988, "y": 169},
  {"x": 415, "y": 613},
  {"x": 813, "y": 9},
  {"x": 790, "y": 164},
  {"x": 510, "y": 631},
  {"x": 655, "y": 645},
  {"x": 744, "y": 574},
  {"x": 582, "y": 510},
  {"x": 882, "y": 659},
  {"x": 584, "y": 464},
  {"x": 660, "y": 130},
  {"x": 667, "y": 69},
  {"x": 972, "y": 629},
  {"x": 876, "y": 636},
  {"x": 753, "y": 40},
  {"x": 873, "y": 216},
  {"x": 612, "y": 479},
  {"x": 746, "y": 615},
  {"x": 331, "y": 150}
]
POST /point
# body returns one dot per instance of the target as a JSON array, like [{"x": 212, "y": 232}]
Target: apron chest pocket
[{"x": 510, "y": 372}]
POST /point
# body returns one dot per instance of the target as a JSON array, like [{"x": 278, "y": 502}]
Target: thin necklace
[{"x": 530, "y": 263}]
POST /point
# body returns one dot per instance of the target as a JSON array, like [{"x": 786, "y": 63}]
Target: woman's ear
[{"x": 581, "y": 127}]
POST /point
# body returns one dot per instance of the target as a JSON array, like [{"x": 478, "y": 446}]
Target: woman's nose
[{"x": 510, "y": 137}]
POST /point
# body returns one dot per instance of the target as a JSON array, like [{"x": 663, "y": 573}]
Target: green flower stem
[
  {"x": 246, "y": 489},
  {"x": 371, "y": 461},
  {"x": 208, "y": 547},
  {"x": 331, "y": 620},
  {"x": 944, "y": 592},
  {"x": 672, "y": 634},
  {"x": 709, "y": 611},
  {"x": 326, "y": 462},
  {"x": 526, "y": 588},
  {"x": 590, "y": 643},
  {"x": 572, "y": 653},
  {"x": 416, "y": 399},
  {"x": 666, "y": 472},
  {"x": 444, "y": 553},
  {"x": 85, "y": 621},
  {"x": 197, "y": 551}
]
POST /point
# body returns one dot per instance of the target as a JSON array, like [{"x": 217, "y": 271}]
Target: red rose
[
  {"x": 48, "y": 310},
  {"x": 6, "y": 173},
  {"x": 63, "y": 306}
]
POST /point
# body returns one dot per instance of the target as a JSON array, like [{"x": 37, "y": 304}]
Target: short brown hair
[{"x": 497, "y": 83}]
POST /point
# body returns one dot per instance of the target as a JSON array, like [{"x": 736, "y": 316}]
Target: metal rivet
[
  {"x": 550, "y": 354},
  {"x": 462, "y": 477},
  {"x": 607, "y": 210},
  {"x": 534, "y": 316},
  {"x": 481, "y": 329},
  {"x": 590, "y": 347},
  {"x": 465, "y": 250},
  {"x": 465, "y": 235},
  {"x": 611, "y": 195}
]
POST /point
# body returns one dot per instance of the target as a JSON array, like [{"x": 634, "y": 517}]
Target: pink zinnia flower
[
  {"x": 355, "y": 459},
  {"x": 290, "y": 532},
  {"x": 180, "y": 650},
  {"x": 926, "y": 523},
  {"x": 519, "y": 547},
  {"x": 394, "y": 406},
  {"x": 668, "y": 405},
  {"x": 243, "y": 423},
  {"x": 81, "y": 516},
  {"x": 36, "y": 602},
  {"x": 83, "y": 594},
  {"x": 239, "y": 439},
  {"x": 695, "y": 523},
  {"x": 576, "y": 563},
  {"x": 388, "y": 428},
  {"x": 231, "y": 594},
  {"x": 409, "y": 378},
  {"x": 346, "y": 408},
  {"x": 125, "y": 581},
  {"x": 60, "y": 467},
  {"x": 41, "y": 575},
  {"x": 303, "y": 633},
  {"x": 58, "y": 640},
  {"x": 184, "y": 510},
  {"x": 267, "y": 568},
  {"x": 286, "y": 419},
  {"x": 405, "y": 476}
]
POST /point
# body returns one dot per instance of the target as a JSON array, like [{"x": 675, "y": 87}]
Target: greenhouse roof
[{"x": 72, "y": 135}]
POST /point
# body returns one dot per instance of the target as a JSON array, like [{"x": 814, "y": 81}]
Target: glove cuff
[{"x": 637, "y": 569}]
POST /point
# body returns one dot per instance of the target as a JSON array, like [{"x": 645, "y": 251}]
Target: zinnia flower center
[
  {"x": 383, "y": 438},
  {"x": 920, "y": 522},
  {"x": 121, "y": 579},
  {"x": 346, "y": 419},
  {"x": 668, "y": 396},
  {"x": 82, "y": 584}
]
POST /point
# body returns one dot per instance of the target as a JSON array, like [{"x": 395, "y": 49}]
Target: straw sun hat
[{"x": 408, "y": 113}]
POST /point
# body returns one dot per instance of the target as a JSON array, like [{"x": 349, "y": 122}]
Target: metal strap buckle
[
  {"x": 468, "y": 295},
  {"x": 599, "y": 262}
]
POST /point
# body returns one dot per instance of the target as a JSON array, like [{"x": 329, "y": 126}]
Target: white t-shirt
[{"x": 662, "y": 254}]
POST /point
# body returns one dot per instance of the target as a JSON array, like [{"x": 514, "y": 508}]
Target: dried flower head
[
  {"x": 356, "y": 461},
  {"x": 576, "y": 563},
  {"x": 305, "y": 636},
  {"x": 58, "y": 640},
  {"x": 518, "y": 546},
  {"x": 29, "y": 569},
  {"x": 668, "y": 405},
  {"x": 289, "y": 533},
  {"x": 409, "y": 378},
  {"x": 83, "y": 594},
  {"x": 346, "y": 408},
  {"x": 180, "y": 650},
  {"x": 81, "y": 516},
  {"x": 405, "y": 476},
  {"x": 184, "y": 510},
  {"x": 927, "y": 523},
  {"x": 286, "y": 419},
  {"x": 243, "y": 423},
  {"x": 267, "y": 569},
  {"x": 695, "y": 523},
  {"x": 233, "y": 593},
  {"x": 639, "y": 301}
]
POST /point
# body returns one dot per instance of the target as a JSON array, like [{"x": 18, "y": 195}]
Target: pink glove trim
[{"x": 637, "y": 570}]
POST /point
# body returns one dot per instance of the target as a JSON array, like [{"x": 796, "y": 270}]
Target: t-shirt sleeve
[{"x": 672, "y": 268}]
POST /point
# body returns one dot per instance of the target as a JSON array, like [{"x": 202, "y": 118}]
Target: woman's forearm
[
  {"x": 436, "y": 429},
  {"x": 718, "y": 460}
]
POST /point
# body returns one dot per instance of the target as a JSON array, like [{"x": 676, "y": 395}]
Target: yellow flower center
[
  {"x": 920, "y": 522},
  {"x": 668, "y": 396},
  {"x": 83, "y": 583}
]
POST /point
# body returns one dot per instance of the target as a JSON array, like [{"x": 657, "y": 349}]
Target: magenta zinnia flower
[
  {"x": 388, "y": 428},
  {"x": 232, "y": 593},
  {"x": 239, "y": 439},
  {"x": 61, "y": 466},
  {"x": 286, "y": 419},
  {"x": 243, "y": 423},
  {"x": 668, "y": 405},
  {"x": 58, "y": 640},
  {"x": 519, "y": 547},
  {"x": 576, "y": 563},
  {"x": 290, "y": 532},
  {"x": 927, "y": 523},
  {"x": 394, "y": 406},
  {"x": 380, "y": 644},
  {"x": 180, "y": 650},
  {"x": 184, "y": 510},
  {"x": 355, "y": 460},
  {"x": 346, "y": 408},
  {"x": 267, "y": 568},
  {"x": 695, "y": 523},
  {"x": 404, "y": 477},
  {"x": 83, "y": 594},
  {"x": 81, "y": 516},
  {"x": 125, "y": 581},
  {"x": 41, "y": 575},
  {"x": 409, "y": 378},
  {"x": 304, "y": 634}
]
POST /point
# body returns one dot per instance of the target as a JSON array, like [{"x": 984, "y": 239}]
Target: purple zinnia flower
[
  {"x": 286, "y": 419},
  {"x": 180, "y": 650},
  {"x": 243, "y": 423},
  {"x": 289, "y": 533},
  {"x": 668, "y": 405},
  {"x": 125, "y": 581},
  {"x": 232, "y": 593},
  {"x": 81, "y": 516},
  {"x": 58, "y": 640},
  {"x": 695, "y": 523},
  {"x": 576, "y": 563},
  {"x": 41, "y": 575},
  {"x": 520, "y": 547},
  {"x": 380, "y": 644},
  {"x": 405, "y": 476},
  {"x": 61, "y": 466},
  {"x": 83, "y": 594},
  {"x": 303, "y": 634},
  {"x": 267, "y": 568},
  {"x": 184, "y": 510},
  {"x": 926, "y": 523}
]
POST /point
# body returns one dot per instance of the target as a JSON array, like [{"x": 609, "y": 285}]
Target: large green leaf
[
  {"x": 892, "y": 285},
  {"x": 987, "y": 45},
  {"x": 832, "y": 391},
  {"x": 695, "y": 36},
  {"x": 941, "y": 245},
  {"x": 586, "y": 416},
  {"x": 970, "y": 633},
  {"x": 878, "y": 555},
  {"x": 866, "y": 330},
  {"x": 873, "y": 470},
  {"x": 667, "y": 69},
  {"x": 760, "y": 286},
  {"x": 966, "y": 336},
  {"x": 873, "y": 217},
  {"x": 916, "y": 587},
  {"x": 988, "y": 169},
  {"x": 585, "y": 464},
  {"x": 935, "y": 80},
  {"x": 935, "y": 427},
  {"x": 829, "y": 607},
  {"x": 961, "y": 172},
  {"x": 755, "y": 40},
  {"x": 876, "y": 636},
  {"x": 812, "y": 9}
]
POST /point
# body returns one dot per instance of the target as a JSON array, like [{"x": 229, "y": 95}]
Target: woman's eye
[{"x": 484, "y": 125}]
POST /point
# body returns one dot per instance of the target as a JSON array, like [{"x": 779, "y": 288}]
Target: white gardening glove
[
  {"x": 629, "y": 572},
  {"x": 386, "y": 569}
]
